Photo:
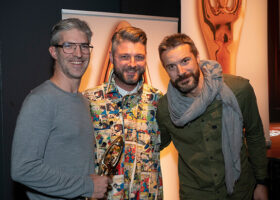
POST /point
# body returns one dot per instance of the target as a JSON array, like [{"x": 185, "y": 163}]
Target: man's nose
[
  {"x": 78, "y": 51},
  {"x": 132, "y": 61},
  {"x": 181, "y": 70}
]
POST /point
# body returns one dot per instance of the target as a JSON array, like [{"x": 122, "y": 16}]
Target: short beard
[
  {"x": 120, "y": 76},
  {"x": 187, "y": 89}
]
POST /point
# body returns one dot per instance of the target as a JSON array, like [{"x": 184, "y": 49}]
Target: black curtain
[{"x": 273, "y": 60}]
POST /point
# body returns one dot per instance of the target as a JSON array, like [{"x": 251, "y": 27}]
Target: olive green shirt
[{"x": 199, "y": 144}]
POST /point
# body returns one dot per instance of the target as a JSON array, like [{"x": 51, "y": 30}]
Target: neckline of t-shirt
[{"x": 58, "y": 88}]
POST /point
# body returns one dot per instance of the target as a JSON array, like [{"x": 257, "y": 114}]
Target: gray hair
[
  {"x": 131, "y": 34},
  {"x": 68, "y": 24}
]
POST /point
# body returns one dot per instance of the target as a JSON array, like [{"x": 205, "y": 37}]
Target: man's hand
[
  {"x": 100, "y": 186},
  {"x": 261, "y": 192}
]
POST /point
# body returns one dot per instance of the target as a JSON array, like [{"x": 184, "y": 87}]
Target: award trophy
[
  {"x": 221, "y": 22},
  {"x": 110, "y": 159}
]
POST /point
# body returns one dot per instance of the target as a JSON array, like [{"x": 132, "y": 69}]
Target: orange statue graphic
[
  {"x": 108, "y": 66},
  {"x": 221, "y": 23}
]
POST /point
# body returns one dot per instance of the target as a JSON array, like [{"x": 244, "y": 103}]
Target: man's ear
[{"x": 53, "y": 52}]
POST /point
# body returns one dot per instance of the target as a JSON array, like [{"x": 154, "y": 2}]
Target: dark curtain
[{"x": 273, "y": 60}]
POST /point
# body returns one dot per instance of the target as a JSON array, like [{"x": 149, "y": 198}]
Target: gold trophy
[
  {"x": 221, "y": 22},
  {"x": 110, "y": 159}
]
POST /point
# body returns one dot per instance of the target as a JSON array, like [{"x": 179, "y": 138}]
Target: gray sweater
[{"x": 52, "y": 151}]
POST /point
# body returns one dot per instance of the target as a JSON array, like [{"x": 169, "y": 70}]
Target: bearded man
[
  {"x": 214, "y": 123},
  {"x": 126, "y": 103}
]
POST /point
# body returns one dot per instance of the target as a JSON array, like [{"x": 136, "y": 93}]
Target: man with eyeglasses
[
  {"x": 125, "y": 106},
  {"x": 52, "y": 151}
]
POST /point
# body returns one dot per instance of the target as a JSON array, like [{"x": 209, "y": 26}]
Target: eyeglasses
[{"x": 70, "y": 48}]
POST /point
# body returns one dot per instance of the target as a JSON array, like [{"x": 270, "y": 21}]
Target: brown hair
[
  {"x": 131, "y": 34},
  {"x": 172, "y": 41}
]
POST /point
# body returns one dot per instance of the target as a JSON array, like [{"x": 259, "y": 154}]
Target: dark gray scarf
[{"x": 184, "y": 109}]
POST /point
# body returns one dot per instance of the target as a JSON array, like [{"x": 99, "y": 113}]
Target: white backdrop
[{"x": 103, "y": 25}]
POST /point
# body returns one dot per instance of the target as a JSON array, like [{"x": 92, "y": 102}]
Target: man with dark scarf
[{"x": 214, "y": 123}]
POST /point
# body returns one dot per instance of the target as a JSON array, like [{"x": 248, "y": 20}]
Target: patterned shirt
[{"x": 138, "y": 175}]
